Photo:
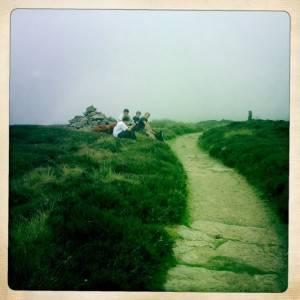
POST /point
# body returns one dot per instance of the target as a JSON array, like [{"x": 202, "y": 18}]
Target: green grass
[
  {"x": 259, "y": 150},
  {"x": 88, "y": 211},
  {"x": 172, "y": 129}
]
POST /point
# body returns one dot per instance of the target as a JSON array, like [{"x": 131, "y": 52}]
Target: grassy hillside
[
  {"x": 173, "y": 128},
  {"x": 259, "y": 150},
  {"x": 87, "y": 211}
]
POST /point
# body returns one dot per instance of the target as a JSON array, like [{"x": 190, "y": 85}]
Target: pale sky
[{"x": 178, "y": 65}]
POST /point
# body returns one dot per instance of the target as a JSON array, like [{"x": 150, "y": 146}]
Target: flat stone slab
[{"x": 191, "y": 279}]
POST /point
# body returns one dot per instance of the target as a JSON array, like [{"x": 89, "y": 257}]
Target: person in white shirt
[
  {"x": 122, "y": 130},
  {"x": 124, "y": 114}
]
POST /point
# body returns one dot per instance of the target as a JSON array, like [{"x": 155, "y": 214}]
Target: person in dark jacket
[
  {"x": 137, "y": 117},
  {"x": 143, "y": 126}
]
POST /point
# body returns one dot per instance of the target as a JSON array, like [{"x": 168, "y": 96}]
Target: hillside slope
[{"x": 87, "y": 211}]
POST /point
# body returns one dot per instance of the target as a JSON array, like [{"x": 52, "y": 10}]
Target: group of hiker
[{"x": 127, "y": 127}]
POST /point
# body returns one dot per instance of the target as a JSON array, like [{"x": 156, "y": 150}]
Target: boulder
[
  {"x": 90, "y": 110},
  {"x": 90, "y": 119},
  {"x": 98, "y": 116}
]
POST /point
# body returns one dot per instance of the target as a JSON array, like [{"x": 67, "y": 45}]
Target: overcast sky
[{"x": 178, "y": 65}]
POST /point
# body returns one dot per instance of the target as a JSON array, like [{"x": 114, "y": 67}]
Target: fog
[{"x": 178, "y": 65}]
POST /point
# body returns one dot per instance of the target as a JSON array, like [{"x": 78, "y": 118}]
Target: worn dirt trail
[{"x": 232, "y": 242}]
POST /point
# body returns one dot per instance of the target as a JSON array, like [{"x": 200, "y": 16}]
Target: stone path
[{"x": 233, "y": 243}]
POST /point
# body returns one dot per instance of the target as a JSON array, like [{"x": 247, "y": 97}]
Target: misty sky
[{"x": 178, "y": 65}]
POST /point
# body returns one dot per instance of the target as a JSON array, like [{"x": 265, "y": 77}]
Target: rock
[
  {"x": 111, "y": 120},
  {"x": 83, "y": 121},
  {"x": 77, "y": 125},
  {"x": 98, "y": 116},
  {"x": 90, "y": 119},
  {"x": 94, "y": 123},
  {"x": 184, "y": 278},
  {"x": 90, "y": 110},
  {"x": 75, "y": 119}
]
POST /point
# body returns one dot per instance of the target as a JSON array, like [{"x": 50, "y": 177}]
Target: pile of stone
[{"x": 90, "y": 119}]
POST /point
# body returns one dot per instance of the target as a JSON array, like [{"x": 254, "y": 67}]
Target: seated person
[
  {"x": 124, "y": 114},
  {"x": 137, "y": 117},
  {"x": 121, "y": 130},
  {"x": 144, "y": 126}
]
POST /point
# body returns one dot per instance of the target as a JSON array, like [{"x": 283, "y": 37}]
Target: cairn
[{"x": 90, "y": 119}]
